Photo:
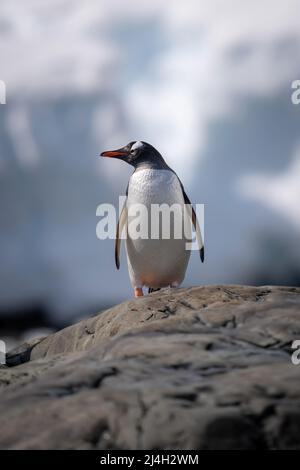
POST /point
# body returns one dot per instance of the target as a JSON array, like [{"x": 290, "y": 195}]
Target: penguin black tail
[{"x": 151, "y": 289}]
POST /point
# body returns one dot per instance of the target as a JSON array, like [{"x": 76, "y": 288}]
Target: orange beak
[{"x": 114, "y": 153}]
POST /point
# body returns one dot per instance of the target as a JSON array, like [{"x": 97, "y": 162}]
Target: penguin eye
[{"x": 132, "y": 151}]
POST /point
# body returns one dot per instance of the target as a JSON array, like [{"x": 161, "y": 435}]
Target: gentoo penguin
[{"x": 157, "y": 261}]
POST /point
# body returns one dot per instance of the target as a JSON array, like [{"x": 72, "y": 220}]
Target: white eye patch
[{"x": 137, "y": 145}]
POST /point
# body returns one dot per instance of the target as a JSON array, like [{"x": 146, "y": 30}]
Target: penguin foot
[
  {"x": 138, "y": 292},
  {"x": 151, "y": 289}
]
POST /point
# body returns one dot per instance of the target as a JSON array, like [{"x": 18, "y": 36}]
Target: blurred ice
[{"x": 278, "y": 192}]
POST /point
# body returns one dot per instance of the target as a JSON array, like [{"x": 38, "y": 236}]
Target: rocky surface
[{"x": 199, "y": 368}]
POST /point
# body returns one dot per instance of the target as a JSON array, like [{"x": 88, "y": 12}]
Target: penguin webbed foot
[
  {"x": 138, "y": 292},
  {"x": 152, "y": 289}
]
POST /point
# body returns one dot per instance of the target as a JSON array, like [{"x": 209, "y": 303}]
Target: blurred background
[{"x": 207, "y": 83}]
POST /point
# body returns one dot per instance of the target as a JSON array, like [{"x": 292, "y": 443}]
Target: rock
[
  {"x": 22, "y": 353},
  {"x": 198, "y": 368}
]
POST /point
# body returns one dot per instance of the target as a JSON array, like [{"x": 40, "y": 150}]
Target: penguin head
[{"x": 136, "y": 153}]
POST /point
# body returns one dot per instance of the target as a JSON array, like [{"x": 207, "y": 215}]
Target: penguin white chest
[{"x": 155, "y": 260}]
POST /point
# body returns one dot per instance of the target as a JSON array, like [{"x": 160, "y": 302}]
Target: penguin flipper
[
  {"x": 121, "y": 224},
  {"x": 195, "y": 222}
]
